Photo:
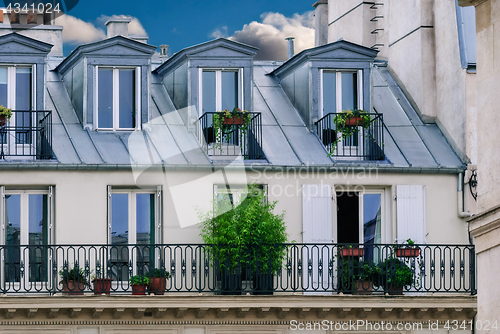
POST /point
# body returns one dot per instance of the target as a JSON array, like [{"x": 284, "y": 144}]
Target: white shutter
[
  {"x": 317, "y": 229},
  {"x": 2, "y": 236},
  {"x": 159, "y": 216},
  {"x": 411, "y": 213}
]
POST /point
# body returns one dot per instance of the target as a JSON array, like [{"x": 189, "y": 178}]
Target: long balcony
[
  {"x": 308, "y": 269},
  {"x": 233, "y": 140},
  {"x": 364, "y": 142},
  {"x": 28, "y": 135}
]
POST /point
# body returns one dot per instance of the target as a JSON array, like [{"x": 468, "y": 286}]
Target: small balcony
[
  {"x": 231, "y": 140},
  {"x": 364, "y": 141},
  {"x": 28, "y": 135},
  {"x": 284, "y": 269}
]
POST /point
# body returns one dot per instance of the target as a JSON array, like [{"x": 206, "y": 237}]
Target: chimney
[
  {"x": 290, "y": 46},
  {"x": 163, "y": 51},
  {"x": 321, "y": 22},
  {"x": 117, "y": 26}
]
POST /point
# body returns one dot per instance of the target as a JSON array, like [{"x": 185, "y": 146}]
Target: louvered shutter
[
  {"x": 317, "y": 229},
  {"x": 411, "y": 213}
]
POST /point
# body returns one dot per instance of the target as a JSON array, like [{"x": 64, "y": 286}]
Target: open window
[
  {"x": 26, "y": 235},
  {"x": 134, "y": 217},
  {"x": 117, "y": 98}
]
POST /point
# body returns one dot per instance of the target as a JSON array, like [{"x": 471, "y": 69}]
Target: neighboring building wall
[{"x": 419, "y": 39}]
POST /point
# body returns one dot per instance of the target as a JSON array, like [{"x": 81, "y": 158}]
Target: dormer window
[
  {"x": 341, "y": 90},
  {"x": 117, "y": 98},
  {"x": 220, "y": 90}
]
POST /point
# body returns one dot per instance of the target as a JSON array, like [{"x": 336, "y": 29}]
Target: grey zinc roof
[{"x": 167, "y": 140}]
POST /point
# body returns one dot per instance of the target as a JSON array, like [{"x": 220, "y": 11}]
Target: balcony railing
[
  {"x": 195, "y": 268},
  {"x": 233, "y": 140},
  {"x": 28, "y": 135},
  {"x": 366, "y": 143}
]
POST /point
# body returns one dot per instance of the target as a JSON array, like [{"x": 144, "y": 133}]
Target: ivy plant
[
  {"x": 348, "y": 122},
  {"x": 225, "y": 122}
]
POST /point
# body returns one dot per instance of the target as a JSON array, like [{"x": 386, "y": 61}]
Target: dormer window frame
[
  {"x": 338, "y": 89},
  {"x": 218, "y": 87},
  {"x": 116, "y": 97}
]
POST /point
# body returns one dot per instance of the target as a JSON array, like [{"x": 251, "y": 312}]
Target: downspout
[{"x": 465, "y": 213}]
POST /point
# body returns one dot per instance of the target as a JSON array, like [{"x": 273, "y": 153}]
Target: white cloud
[
  {"x": 269, "y": 35},
  {"x": 77, "y": 31},
  {"x": 219, "y": 32}
]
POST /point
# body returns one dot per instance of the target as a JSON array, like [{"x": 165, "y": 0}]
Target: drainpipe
[{"x": 462, "y": 214}]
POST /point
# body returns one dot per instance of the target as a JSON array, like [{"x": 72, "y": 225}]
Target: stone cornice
[{"x": 235, "y": 308}]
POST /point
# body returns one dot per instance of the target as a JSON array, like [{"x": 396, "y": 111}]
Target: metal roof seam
[{"x": 87, "y": 130}]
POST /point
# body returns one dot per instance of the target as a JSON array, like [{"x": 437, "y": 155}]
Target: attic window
[
  {"x": 341, "y": 90},
  {"x": 220, "y": 89},
  {"x": 117, "y": 102}
]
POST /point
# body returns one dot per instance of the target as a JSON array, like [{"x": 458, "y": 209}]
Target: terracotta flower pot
[
  {"x": 354, "y": 121},
  {"x": 363, "y": 288},
  {"x": 102, "y": 285},
  {"x": 354, "y": 252},
  {"x": 407, "y": 252},
  {"x": 157, "y": 285},
  {"x": 139, "y": 289},
  {"x": 234, "y": 120},
  {"x": 73, "y": 287},
  {"x": 394, "y": 291},
  {"x": 3, "y": 120}
]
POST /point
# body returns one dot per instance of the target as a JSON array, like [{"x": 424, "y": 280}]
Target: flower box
[
  {"x": 407, "y": 252},
  {"x": 235, "y": 120},
  {"x": 354, "y": 252},
  {"x": 354, "y": 121}
]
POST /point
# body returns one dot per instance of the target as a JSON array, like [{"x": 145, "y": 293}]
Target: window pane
[
  {"x": 145, "y": 218},
  {"x": 105, "y": 99},
  {"x": 349, "y": 91},
  {"x": 127, "y": 99},
  {"x": 209, "y": 91},
  {"x": 329, "y": 93},
  {"x": 23, "y": 102},
  {"x": 119, "y": 237},
  {"x": 13, "y": 237},
  {"x": 372, "y": 207},
  {"x": 3, "y": 86},
  {"x": 38, "y": 238},
  {"x": 229, "y": 90}
]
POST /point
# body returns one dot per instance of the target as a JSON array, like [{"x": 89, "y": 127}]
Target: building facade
[{"x": 113, "y": 151}]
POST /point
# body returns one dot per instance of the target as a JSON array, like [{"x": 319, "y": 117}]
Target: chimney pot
[
  {"x": 164, "y": 50},
  {"x": 290, "y": 47},
  {"x": 117, "y": 26}
]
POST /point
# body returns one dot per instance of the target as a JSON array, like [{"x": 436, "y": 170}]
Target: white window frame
[
  {"x": 11, "y": 145},
  {"x": 132, "y": 223},
  {"x": 218, "y": 87},
  {"x": 24, "y": 237},
  {"x": 116, "y": 97},
  {"x": 338, "y": 87},
  {"x": 383, "y": 218}
]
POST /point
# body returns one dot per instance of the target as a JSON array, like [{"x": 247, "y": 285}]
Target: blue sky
[{"x": 184, "y": 23}]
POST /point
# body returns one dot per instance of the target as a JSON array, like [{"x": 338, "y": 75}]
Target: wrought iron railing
[
  {"x": 232, "y": 140},
  {"x": 303, "y": 268},
  {"x": 28, "y": 134},
  {"x": 365, "y": 143}
]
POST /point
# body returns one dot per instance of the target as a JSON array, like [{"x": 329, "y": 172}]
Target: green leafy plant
[
  {"x": 6, "y": 112},
  {"x": 348, "y": 122},
  {"x": 225, "y": 122},
  {"x": 408, "y": 244},
  {"x": 161, "y": 273},
  {"x": 73, "y": 274},
  {"x": 139, "y": 280},
  {"x": 396, "y": 273},
  {"x": 247, "y": 234}
]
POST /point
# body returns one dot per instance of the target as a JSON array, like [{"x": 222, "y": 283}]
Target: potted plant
[
  {"x": 73, "y": 280},
  {"x": 352, "y": 251},
  {"x": 248, "y": 239},
  {"x": 102, "y": 284},
  {"x": 139, "y": 284},
  {"x": 394, "y": 276},
  {"x": 347, "y": 123},
  {"x": 225, "y": 123},
  {"x": 158, "y": 281},
  {"x": 407, "y": 249},
  {"x": 367, "y": 274},
  {"x": 5, "y": 115}
]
